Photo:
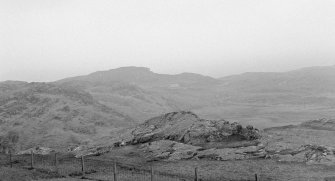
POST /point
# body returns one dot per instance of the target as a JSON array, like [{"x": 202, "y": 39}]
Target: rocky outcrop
[
  {"x": 171, "y": 150},
  {"x": 183, "y": 135},
  {"x": 233, "y": 153},
  {"x": 188, "y": 128},
  {"x": 310, "y": 154},
  {"x": 311, "y": 142}
]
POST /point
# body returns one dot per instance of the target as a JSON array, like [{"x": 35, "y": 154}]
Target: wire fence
[
  {"x": 66, "y": 165},
  {"x": 97, "y": 168},
  {"x": 60, "y": 165}
]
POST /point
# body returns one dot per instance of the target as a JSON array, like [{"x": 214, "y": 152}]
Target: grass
[
  {"x": 246, "y": 169},
  {"x": 22, "y": 174}
]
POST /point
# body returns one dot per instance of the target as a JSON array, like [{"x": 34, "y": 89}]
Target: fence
[{"x": 66, "y": 165}]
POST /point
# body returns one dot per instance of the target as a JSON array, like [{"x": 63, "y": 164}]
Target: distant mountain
[
  {"x": 261, "y": 99},
  {"x": 144, "y": 77},
  {"x": 45, "y": 114},
  {"x": 141, "y": 93},
  {"x": 307, "y": 80}
]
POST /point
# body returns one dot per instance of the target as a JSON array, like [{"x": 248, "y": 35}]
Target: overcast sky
[{"x": 46, "y": 40}]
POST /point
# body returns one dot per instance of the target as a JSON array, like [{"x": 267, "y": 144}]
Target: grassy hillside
[
  {"x": 42, "y": 114},
  {"x": 260, "y": 99},
  {"x": 142, "y": 94}
]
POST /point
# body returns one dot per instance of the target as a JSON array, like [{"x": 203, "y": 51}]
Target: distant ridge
[{"x": 141, "y": 75}]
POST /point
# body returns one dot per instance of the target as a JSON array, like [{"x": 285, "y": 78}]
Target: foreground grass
[
  {"x": 246, "y": 170},
  {"x": 101, "y": 168},
  {"x": 21, "y": 174},
  {"x": 266, "y": 169}
]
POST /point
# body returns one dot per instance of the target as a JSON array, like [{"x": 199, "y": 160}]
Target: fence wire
[
  {"x": 94, "y": 168},
  {"x": 87, "y": 167}
]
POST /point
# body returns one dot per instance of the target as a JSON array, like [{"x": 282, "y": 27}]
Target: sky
[{"x": 47, "y": 40}]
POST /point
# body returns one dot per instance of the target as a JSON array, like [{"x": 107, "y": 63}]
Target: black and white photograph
[{"x": 167, "y": 90}]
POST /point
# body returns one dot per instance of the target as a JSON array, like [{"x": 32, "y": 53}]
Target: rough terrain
[
  {"x": 262, "y": 99},
  {"x": 47, "y": 115}
]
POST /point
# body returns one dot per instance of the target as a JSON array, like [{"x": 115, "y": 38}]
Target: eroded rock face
[
  {"x": 170, "y": 150},
  {"x": 183, "y": 135},
  {"x": 186, "y": 127},
  {"x": 310, "y": 142},
  {"x": 310, "y": 154}
]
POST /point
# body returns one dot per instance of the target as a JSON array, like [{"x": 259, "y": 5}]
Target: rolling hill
[
  {"x": 44, "y": 114},
  {"x": 263, "y": 99},
  {"x": 141, "y": 93}
]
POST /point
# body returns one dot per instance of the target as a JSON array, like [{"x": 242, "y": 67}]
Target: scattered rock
[{"x": 36, "y": 150}]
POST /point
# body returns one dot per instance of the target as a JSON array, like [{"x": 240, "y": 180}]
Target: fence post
[
  {"x": 31, "y": 159},
  {"x": 114, "y": 170},
  {"x": 82, "y": 166},
  {"x": 256, "y": 178},
  {"x": 196, "y": 174},
  {"x": 10, "y": 159},
  {"x": 56, "y": 163},
  {"x": 152, "y": 173}
]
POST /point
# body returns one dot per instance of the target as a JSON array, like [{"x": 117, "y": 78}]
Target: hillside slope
[
  {"x": 260, "y": 99},
  {"x": 310, "y": 79},
  {"x": 42, "y": 114},
  {"x": 142, "y": 94}
]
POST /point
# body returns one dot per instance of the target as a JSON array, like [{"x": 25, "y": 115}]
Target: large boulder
[{"x": 188, "y": 128}]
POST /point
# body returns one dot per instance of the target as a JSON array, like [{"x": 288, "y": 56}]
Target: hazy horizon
[
  {"x": 44, "y": 40},
  {"x": 165, "y": 73}
]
